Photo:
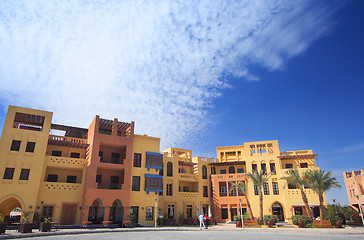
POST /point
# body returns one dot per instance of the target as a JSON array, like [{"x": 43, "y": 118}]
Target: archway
[
  {"x": 96, "y": 212},
  {"x": 7, "y": 206},
  {"x": 116, "y": 212},
  {"x": 231, "y": 170},
  {"x": 277, "y": 210}
]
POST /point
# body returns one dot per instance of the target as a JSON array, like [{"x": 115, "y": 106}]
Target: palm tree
[
  {"x": 242, "y": 188},
  {"x": 259, "y": 178},
  {"x": 294, "y": 177},
  {"x": 320, "y": 182}
]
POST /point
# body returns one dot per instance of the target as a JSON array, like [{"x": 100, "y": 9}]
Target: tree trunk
[
  {"x": 322, "y": 208},
  {"x": 307, "y": 207},
  {"x": 261, "y": 203},
  {"x": 249, "y": 209}
]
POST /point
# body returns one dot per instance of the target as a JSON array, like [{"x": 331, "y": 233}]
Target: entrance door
[
  {"x": 234, "y": 212},
  {"x": 68, "y": 214},
  {"x": 277, "y": 210},
  {"x": 134, "y": 214}
]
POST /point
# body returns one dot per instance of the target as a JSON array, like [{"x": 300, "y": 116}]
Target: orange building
[{"x": 354, "y": 182}]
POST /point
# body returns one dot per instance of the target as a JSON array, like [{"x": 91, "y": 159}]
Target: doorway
[
  {"x": 68, "y": 214},
  {"x": 277, "y": 210}
]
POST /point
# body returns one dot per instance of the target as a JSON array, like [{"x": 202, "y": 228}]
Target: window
[
  {"x": 291, "y": 186},
  {"x": 160, "y": 172},
  {"x": 56, "y": 153},
  {"x": 15, "y": 145},
  {"x": 205, "y": 192},
  {"x": 288, "y": 165},
  {"x": 9, "y": 173},
  {"x": 75, "y": 155},
  {"x": 169, "y": 169},
  {"x": 189, "y": 211},
  {"x": 275, "y": 188},
  {"x": 266, "y": 188},
  {"x": 256, "y": 189},
  {"x": 52, "y": 178},
  {"x": 30, "y": 147},
  {"x": 240, "y": 170},
  {"x": 204, "y": 172},
  {"x": 232, "y": 192},
  {"x": 137, "y": 160},
  {"x": 71, "y": 179},
  {"x": 47, "y": 212},
  {"x": 149, "y": 213},
  {"x": 153, "y": 183},
  {"x": 136, "y": 183},
  {"x": 171, "y": 211},
  {"x": 115, "y": 158},
  {"x": 254, "y": 167},
  {"x": 169, "y": 190},
  {"x": 213, "y": 170},
  {"x": 231, "y": 170},
  {"x": 304, "y": 165},
  {"x": 264, "y": 168},
  {"x": 273, "y": 168},
  {"x": 154, "y": 159},
  {"x": 24, "y": 174},
  {"x": 224, "y": 213},
  {"x": 223, "y": 171},
  {"x": 98, "y": 178},
  {"x": 223, "y": 191}
]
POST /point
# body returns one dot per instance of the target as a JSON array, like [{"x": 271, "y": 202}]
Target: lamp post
[
  {"x": 155, "y": 212},
  {"x": 334, "y": 200},
  {"x": 361, "y": 213},
  {"x": 241, "y": 214}
]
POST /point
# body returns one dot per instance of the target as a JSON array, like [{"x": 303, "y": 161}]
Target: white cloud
[
  {"x": 353, "y": 148},
  {"x": 160, "y": 63}
]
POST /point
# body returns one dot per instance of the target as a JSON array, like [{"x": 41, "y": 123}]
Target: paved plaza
[{"x": 223, "y": 231}]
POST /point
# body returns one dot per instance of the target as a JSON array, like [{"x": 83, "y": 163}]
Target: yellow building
[{"x": 280, "y": 198}]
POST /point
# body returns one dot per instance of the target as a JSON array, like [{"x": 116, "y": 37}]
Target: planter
[
  {"x": 238, "y": 224},
  {"x": 25, "y": 227},
  {"x": 2, "y": 228},
  {"x": 301, "y": 224},
  {"x": 45, "y": 227},
  {"x": 338, "y": 225}
]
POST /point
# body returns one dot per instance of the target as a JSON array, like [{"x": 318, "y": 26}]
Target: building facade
[
  {"x": 354, "y": 182},
  {"x": 107, "y": 173}
]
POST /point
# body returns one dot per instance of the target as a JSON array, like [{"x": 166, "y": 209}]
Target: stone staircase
[{"x": 284, "y": 225}]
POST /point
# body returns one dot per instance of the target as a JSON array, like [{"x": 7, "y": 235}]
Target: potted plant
[
  {"x": 46, "y": 225},
  {"x": 25, "y": 226},
  {"x": 237, "y": 220},
  {"x": 2, "y": 225},
  {"x": 300, "y": 220}
]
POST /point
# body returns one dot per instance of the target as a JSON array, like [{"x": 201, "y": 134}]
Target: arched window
[
  {"x": 231, "y": 169},
  {"x": 204, "y": 172},
  {"x": 169, "y": 169},
  {"x": 213, "y": 170}
]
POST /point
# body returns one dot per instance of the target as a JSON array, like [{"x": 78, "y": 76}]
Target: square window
[
  {"x": 24, "y": 174},
  {"x": 71, "y": 179},
  {"x": 15, "y": 145},
  {"x": 52, "y": 178},
  {"x": 304, "y": 165},
  {"x": 75, "y": 155},
  {"x": 30, "y": 147},
  {"x": 240, "y": 170},
  {"x": 289, "y": 165},
  {"x": 223, "y": 171},
  {"x": 9, "y": 173},
  {"x": 57, "y": 153}
]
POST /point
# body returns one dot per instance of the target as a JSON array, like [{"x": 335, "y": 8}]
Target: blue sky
[{"x": 199, "y": 75}]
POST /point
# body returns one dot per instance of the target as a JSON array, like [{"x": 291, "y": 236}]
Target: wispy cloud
[
  {"x": 353, "y": 148},
  {"x": 160, "y": 63}
]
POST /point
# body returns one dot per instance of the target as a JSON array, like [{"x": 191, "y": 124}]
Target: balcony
[
  {"x": 229, "y": 177},
  {"x": 188, "y": 194},
  {"x": 188, "y": 177},
  {"x": 112, "y": 160},
  {"x": 113, "y": 186},
  {"x": 67, "y": 141},
  {"x": 65, "y": 162}
]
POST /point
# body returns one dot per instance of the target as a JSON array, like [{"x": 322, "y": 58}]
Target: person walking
[
  {"x": 206, "y": 220},
  {"x": 200, "y": 218}
]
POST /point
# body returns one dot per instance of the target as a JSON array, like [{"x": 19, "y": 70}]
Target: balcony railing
[
  {"x": 67, "y": 139},
  {"x": 115, "y": 186}
]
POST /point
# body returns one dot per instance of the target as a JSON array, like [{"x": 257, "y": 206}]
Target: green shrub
[
  {"x": 333, "y": 219},
  {"x": 270, "y": 218},
  {"x": 309, "y": 225},
  {"x": 237, "y": 218},
  {"x": 246, "y": 216},
  {"x": 298, "y": 218}
]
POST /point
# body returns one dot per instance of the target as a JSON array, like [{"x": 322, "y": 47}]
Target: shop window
[
  {"x": 24, "y": 174},
  {"x": 149, "y": 213},
  {"x": 15, "y": 145}
]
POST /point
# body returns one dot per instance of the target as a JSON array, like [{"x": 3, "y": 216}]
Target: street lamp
[
  {"x": 155, "y": 212},
  {"x": 361, "y": 213},
  {"x": 241, "y": 214},
  {"x": 334, "y": 200}
]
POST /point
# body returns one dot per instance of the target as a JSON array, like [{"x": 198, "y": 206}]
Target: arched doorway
[
  {"x": 7, "y": 206},
  {"x": 96, "y": 212},
  {"x": 116, "y": 212},
  {"x": 277, "y": 210}
]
